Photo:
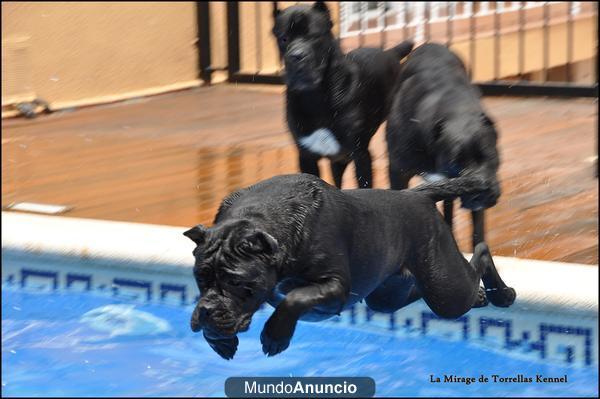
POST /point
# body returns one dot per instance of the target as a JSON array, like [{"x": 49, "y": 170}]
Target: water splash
[{"x": 120, "y": 320}]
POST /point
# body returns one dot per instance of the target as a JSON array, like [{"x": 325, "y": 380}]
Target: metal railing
[
  {"x": 545, "y": 65},
  {"x": 357, "y": 16}
]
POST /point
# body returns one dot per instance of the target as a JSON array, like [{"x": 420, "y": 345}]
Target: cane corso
[
  {"x": 312, "y": 250},
  {"x": 438, "y": 127},
  {"x": 335, "y": 101}
]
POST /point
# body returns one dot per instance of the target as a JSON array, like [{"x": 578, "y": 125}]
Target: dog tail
[
  {"x": 403, "y": 49},
  {"x": 452, "y": 188}
]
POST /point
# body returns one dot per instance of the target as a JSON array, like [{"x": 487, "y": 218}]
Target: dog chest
[{"x": 322, "y": 141}]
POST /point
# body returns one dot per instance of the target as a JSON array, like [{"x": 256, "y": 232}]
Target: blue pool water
[{"x": 67, "y": 344}]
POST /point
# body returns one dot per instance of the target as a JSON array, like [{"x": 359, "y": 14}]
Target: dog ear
[
  {"x": 259, "y": 242},
  {"x": 322, "y": 7},
  {"x": 487, "y": 120},
  {"x": 196, "y": 234},
  {"x": 438, "y": 129}
]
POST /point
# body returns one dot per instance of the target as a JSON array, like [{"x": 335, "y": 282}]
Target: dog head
[
  {"x": 466, "y": 145},
  {"x": 235, "y": 269},
  {"x": 305, "y": 44}
]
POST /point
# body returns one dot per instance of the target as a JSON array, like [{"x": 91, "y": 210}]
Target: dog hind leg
[
  {"x": 399, "y": 178},
  {"x": 481, "y": 300},
  {"x": 395, "y": 292},
  {"x": 451, "y": 285},
  {"x": 364, "y": 168},
  {"x": 496, "y": 290}
]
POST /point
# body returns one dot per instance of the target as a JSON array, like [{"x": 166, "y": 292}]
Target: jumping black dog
[
  {"x": 335, "y": 101},
  {"x": 312, "y": 250},
  {"x": 437, "y": 125}
]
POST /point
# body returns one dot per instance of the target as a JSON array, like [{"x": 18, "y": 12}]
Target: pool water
[{"x": 68, "y": 344}]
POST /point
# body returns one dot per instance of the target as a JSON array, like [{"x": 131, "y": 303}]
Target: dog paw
[
  {"x": 501, "y": 297},
  {"x": 272, "y": 346},
  {"x": 225, "y": 347},
  {"x": 481, "y": 299}
]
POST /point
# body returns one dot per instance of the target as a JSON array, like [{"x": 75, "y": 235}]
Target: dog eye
[
  {"x": 246, "y": 290},
  {"x": 247, "y": 246},
  {"x": 204, "y": 275},
  {"x": 283, "y": 39}
]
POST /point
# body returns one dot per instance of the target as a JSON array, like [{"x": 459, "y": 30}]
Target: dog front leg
[
  {"x": 364, "y": 168},
  {"x": 279, "y": 329},
  {"x": 448, "y": 212},
  {"x": 478, "y": 227},
  {"x": 309, "y": 163},
  {"x": 337, "y": 171}
]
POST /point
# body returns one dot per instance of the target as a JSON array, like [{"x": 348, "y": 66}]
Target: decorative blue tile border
[
  {"x": 561, "y": 337},
  {"x": 28, "y": 274},
  {"x": 509, "y": 343},
  {"x": 477, "y": 325},
  {"x": 179, "y": 289},
  {"x": 73, "y": 278},
  {"x": 426, "y": 317},
  {"x": 122, "y": 284}
]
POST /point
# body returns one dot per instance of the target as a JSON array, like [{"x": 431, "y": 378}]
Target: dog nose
[
  {"x": 199, "y": 317},
  {"x": 203, "y": 313}
]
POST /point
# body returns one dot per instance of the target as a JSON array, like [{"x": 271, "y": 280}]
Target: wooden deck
[{"x": 170, "y": 159}]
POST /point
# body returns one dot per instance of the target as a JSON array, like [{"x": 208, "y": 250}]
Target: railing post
[
  {"x": 343, "y": 18},
  {"x": 381, "y": 23},
  {"x": 545, "y": 48},
  {"x": 496, "y": 44},
  {"x": 451, "y": 11},
  {"x": 484, "y": 7},
  {"x": 419, "y": 22},
  {"x": 203, "y": 41},
  {"x": 405, "y": 20},
  {"x": 469, "y": 12}
]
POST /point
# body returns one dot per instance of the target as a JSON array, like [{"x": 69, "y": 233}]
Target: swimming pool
[
  {"x": 86, "y": 325},
  {"x": 77, "y": 344}
]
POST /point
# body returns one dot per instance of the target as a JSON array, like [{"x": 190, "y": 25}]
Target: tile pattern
[{"x": 567, "y": 338}]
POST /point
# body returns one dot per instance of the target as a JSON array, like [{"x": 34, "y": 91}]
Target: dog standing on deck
[
  {"x": 335, "y": 101},
  {"x": 438, "y": 127},
  {"x": 312, "y": 250}
]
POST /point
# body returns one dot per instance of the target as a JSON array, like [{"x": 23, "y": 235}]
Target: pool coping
[{"x": 540, "y": 285}]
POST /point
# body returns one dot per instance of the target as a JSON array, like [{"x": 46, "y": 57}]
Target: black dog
[
  {"x": 335, "y": 102},
  {"x": 437, "y": 125},
  {"x": 311, "y": 250}
]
